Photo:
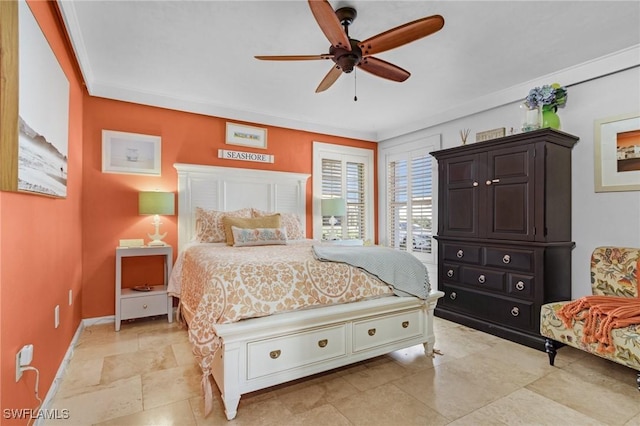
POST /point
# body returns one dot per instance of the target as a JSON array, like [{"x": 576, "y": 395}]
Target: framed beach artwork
[
  {"x": 35, "y": 122},
  {"x": 131, "y": 153},
  {"x": 238, "y": 134},
  {"x": 617, "y": 153}
]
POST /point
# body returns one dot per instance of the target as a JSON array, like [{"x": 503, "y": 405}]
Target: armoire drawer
[
  {"x": 386, "y": 329},
  {"x": 506, "y": 311},
  {"x": 288, "y": 352},
  {"x": 451, "y": 272},
  {"x": 509, "y": 258},
  {"x": 462, "y": 253},
  {"x": 483, "y": 279}
]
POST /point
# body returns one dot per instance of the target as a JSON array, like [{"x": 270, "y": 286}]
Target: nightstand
[{"x": 139, "y": 304}]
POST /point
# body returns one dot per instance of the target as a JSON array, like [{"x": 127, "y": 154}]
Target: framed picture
[
  {"x": 35, "y": 123},
  {"x": 131, "y": 153},
  {"x": 617, "y": 153},
  {"x": 238, "y": 134}
]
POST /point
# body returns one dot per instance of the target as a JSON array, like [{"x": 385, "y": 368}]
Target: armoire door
[
  {"x": 459, "y": 201},
  {"x": 509, "y": 184}
]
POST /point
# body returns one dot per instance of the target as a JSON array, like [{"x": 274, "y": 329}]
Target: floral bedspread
[{"x": 219, "y": 284}]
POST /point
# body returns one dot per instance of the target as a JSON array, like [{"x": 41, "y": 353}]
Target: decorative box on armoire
[{"x": 504, "y": 232}]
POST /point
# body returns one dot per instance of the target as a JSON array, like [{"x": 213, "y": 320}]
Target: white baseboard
[{"x": 53, "y": 389}]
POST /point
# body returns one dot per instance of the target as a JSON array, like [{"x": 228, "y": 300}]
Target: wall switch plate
[{"x": 135, "y": 242}]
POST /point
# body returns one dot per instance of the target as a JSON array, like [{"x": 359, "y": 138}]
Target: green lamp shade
[
  {"x": 154, "y": 202},
  {"x": 333, "y": 207}
]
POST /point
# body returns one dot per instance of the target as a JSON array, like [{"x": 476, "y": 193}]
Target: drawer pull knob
[
  {"x": 405, "y": 324},
  {"x": 520, "y": 285},
  {"x": 275, "y": 354},
  {"x": 475, "y": 183},
  {"x": 372, "y": 331},
  {"x": 450, "y": 273},
  {"x": 482, "y": 279},
  {"x": 515, "y": 311},
  {"x": 322, "y": 343},
  {"x": 144, "y": 306},
  {"x": 453, "y": 296},
  {"x": 506, "y": 259},
  {"x": 460, "y": 254},
  {"x": 488, "y": 182}
]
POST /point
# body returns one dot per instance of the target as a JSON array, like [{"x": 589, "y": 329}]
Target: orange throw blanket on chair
[{"x": 601, "y": 314}]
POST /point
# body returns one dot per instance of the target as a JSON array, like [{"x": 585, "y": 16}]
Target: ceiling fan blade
[
  {"x": 329, "y": 23},
  {"x": 329, "y": 79},
  {"x": 293, "y": 57},
  {"x": 383, "y": 69},
  {"x": 403, "y": 34}
]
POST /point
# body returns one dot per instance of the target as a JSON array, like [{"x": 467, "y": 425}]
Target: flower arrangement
[{"x": 548, "y": 96}]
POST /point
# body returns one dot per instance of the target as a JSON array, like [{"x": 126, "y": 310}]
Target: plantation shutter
[
  {"x": 409, "y": 202},
  {"x": 345, "y": 179}
]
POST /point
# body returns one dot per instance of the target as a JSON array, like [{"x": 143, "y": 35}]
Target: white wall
[{"x": 609, "y": 218}]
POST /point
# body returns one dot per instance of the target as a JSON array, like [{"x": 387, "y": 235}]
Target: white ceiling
[{"x": 197, "y": 56}]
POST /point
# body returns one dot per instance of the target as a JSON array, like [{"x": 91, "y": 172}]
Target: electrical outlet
[
  {"x": 18, "y": 369},
  {"x": 70, "y": 297},
  {"x": 56, "y": 316},
  {"x": 23, "y": 358}
]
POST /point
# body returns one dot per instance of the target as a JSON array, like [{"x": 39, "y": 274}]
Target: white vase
[{"x": 531, "y": 118}]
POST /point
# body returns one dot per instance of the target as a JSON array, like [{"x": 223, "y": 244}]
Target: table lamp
[
  {"x": 333, "y": 207},
  {"x": 156, "y": 203}
]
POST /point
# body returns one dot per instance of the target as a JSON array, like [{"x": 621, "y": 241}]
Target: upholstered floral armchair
[{"x": 614, "y": 272}]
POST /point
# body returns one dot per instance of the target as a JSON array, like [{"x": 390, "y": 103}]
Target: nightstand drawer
[{"x": 143, "y": 306}]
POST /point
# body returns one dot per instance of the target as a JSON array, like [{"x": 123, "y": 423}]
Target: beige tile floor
[{"x": 146, "y": 375}]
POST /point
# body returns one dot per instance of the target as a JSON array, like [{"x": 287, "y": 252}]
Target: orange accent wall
[
  {"x": 49, "y": 246},
  {"x": 110, "y": 200},
  {"x": 41, "y": 252}
]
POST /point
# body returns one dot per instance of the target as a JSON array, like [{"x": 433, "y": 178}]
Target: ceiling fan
[{"x": 348, "y": 53}]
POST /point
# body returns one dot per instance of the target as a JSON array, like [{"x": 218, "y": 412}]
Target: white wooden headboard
[{"x": 230, "y": 188}]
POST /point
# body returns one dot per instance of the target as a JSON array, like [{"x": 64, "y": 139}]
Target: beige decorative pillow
[
  {"x": 209, "y": 228},
  {"x": 243, "y": 237},
  {"x": 290, "y": 221},
  {"x": 272, "y": 221}
]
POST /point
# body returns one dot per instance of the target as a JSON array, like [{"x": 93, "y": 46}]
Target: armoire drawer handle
[
  {"x": 405, "y": 324},
  {"x": 144, "y": 306},
  {"x": 322, "y": 343},
  {"x": 515, "y": 311},
  {"x": 475, "y": 183},
  {"x": 450, "y": 273},
  {"x": 506, "y": 259},
  {"x": 275, "y": 354},
  {"x": 520, "y": 285},
  {"x": 453, "y": 296},
  {"x": 371, "y": 331},
  {"x": 482, "y": 279},
  {"x": 460, "y": 254}
]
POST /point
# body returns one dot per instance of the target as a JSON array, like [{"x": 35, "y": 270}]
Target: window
[
  {"x": 346, "y": 173},
  {"x": 407, "y": 206},
  {"x": 409, "y": 209}
]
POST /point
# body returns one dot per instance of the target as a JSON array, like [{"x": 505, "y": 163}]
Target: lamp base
[
  {"x": 156, "y": 243},
  {"x": 156, "y": 238}
]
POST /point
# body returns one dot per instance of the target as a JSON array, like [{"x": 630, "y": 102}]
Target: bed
[{"x": 259, "y": 329}]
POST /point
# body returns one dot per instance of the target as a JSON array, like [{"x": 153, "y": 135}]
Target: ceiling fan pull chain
[{"x": 355, "y": 84}]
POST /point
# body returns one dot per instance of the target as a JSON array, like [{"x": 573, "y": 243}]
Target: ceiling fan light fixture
[{"x": 348, "y": 53}]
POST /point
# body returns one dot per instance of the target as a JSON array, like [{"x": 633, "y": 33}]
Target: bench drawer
[
  {"x": 387, "y": 329},
  {"x": 288, "y": 352}
]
